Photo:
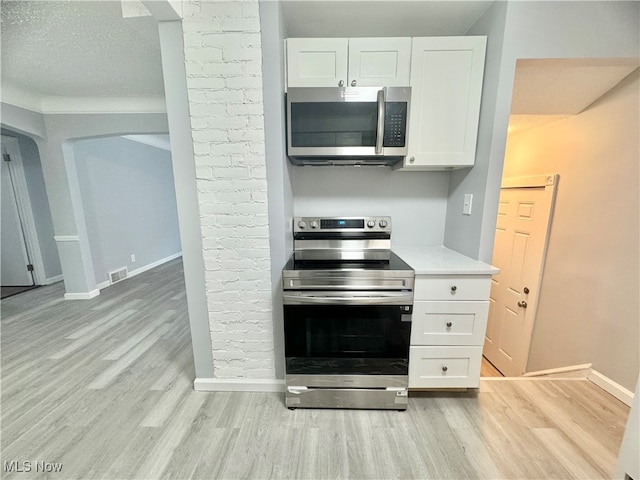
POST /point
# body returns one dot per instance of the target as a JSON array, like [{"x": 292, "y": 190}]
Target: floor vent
[{"x": 118, "y": 275}]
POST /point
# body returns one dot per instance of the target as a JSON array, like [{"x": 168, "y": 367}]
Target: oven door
[{"x": 347, "y": 333}]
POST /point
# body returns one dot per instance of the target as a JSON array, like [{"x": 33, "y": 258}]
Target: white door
[
  {"x": 524, "y": 215},
  {"x": 13, "y": 252},
  {"x": 379, "y": 62}
]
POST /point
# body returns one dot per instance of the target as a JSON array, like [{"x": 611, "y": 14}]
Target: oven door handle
[{"x": 348, "y": 298}]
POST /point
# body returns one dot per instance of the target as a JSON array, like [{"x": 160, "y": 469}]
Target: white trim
[
  {"x": 74, "y": 105},
  {"x": 82, "y": 296},
  {"x": 595, "y": 377},
  {"x": 25, "y": 209},
  {"x": 151, "y": 140},
  {"x": 552, "y": 371},
  {"x": 52, "y": 280},
  {"x": 19, "y": 97},
  {"x": 611, "y": 387},
  {"x": 66, "y": 238},
  {"x": 531, "y": 181},
  {"x": 104, "y": 105},
  {"x": 140, "y": 270},
  {"x": 155, "y": 264},
  {"x": 238, "y": 385},
  {"x": 536, "y": 379}
]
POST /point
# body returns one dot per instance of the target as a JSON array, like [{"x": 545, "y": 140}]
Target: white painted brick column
[{"x": 224, "y": 79}]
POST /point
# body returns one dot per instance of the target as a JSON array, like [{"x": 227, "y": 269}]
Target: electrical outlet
[
  {"x": 133, "y": 258},
  {"x": 466, "y": 207}
]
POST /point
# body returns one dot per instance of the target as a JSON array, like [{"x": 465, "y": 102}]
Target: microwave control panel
[{"x": 395, "y": 124}]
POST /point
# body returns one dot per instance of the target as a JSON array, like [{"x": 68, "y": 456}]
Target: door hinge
[
  {"x": 6, "y": 157},
  {"x": 30, "y": 268}
]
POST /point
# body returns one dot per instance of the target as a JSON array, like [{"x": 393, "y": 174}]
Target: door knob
[
  {"x": 353, "y": 83},
  {"x": 526, "y": 289},
  {"x": 341, "y": 83},
  {"x": 522, "y": 304}
]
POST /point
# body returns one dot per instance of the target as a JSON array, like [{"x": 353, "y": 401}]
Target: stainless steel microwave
[{"x": 347, "y": 126}]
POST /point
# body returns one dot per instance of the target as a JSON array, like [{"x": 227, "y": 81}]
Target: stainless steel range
[{"x": 348, "y": 301}]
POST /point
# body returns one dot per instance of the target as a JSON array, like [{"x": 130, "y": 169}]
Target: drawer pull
[
  {"x": 449, "y": 324},
  {"x": 444, "y": 368},
  {"x": 454, "y": 288}
]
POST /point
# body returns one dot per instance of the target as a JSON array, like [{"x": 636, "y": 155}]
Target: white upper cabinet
[
  {"x": 446, "y": 88},
  {"x": 317, "y": 62},
  {"x": 342, "y": 62},
  {"x": 379, "y": 62}
]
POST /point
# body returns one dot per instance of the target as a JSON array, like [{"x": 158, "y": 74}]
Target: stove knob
[
  {"x": 302, "y": 225},
  {"x": 314, "y": 224},
  {"x": 371, "y": 223},
  {"x": 382, "y": 223}
]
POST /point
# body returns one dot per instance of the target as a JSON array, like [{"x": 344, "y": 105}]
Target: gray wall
[
  {"x": 589, "y": 308},
  {"x": 184, "y": 173},
  {"x": 462, "y": 232},
  {"x": 39, "y": 203},
  {"x": 416, "y": 201},
  {"x": 280, "y": 192},
  {"x": 129, "y": 203},
  {"x": 536, "y": 29}
]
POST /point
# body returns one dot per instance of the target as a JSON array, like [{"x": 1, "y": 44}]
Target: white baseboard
[
  {"x": 155, "y": 264},
  {"x": 553, "y": 371},
  {"x": 140, "y": 270},
  {"x": 52, "y": 280},
  {"x": 608, "y": 385},
  {"x": 82, "y": 296},
  {"x": 238, "y": 385}
]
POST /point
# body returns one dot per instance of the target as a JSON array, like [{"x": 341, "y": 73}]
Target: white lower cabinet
[{"x": 449, "y": 323}]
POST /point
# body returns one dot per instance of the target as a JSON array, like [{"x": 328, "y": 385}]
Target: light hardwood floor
[
  {"x": 104, "y": 387},
  {"x": 488, "y": 370}
]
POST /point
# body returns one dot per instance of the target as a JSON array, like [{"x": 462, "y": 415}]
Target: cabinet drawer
[
  {"x": 453, "y": 287},
  {"x": 444, "y": 367},
  {"x": 449, "y": 323}
]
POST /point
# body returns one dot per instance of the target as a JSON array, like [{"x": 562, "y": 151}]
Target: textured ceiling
[
  {"x": 565, "y": 86},
  {"x": 548, "y": 90},
  {"x": 78, "y": 49}
]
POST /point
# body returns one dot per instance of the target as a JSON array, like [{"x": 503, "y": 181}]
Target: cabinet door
[
  {"x": 379, "y": 62},
  {"x": 317, "y": 62},
  {"x": 446, "y": 88}
]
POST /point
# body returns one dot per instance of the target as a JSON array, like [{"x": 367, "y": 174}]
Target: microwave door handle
[{"x": 380, "y": 129}]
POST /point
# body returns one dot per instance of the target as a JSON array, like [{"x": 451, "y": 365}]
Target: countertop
[{"x": 442, "y": 261}]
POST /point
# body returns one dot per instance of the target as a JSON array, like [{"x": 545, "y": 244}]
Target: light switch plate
[{"x": 466, "y": 207}]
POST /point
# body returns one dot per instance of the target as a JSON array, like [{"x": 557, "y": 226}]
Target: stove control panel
[{"x": 342, "y": 224}]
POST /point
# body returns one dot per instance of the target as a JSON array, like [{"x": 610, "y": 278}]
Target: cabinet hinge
[
  {"x": 6, "y": 157},
  {"x": 30, "y": 268}
]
